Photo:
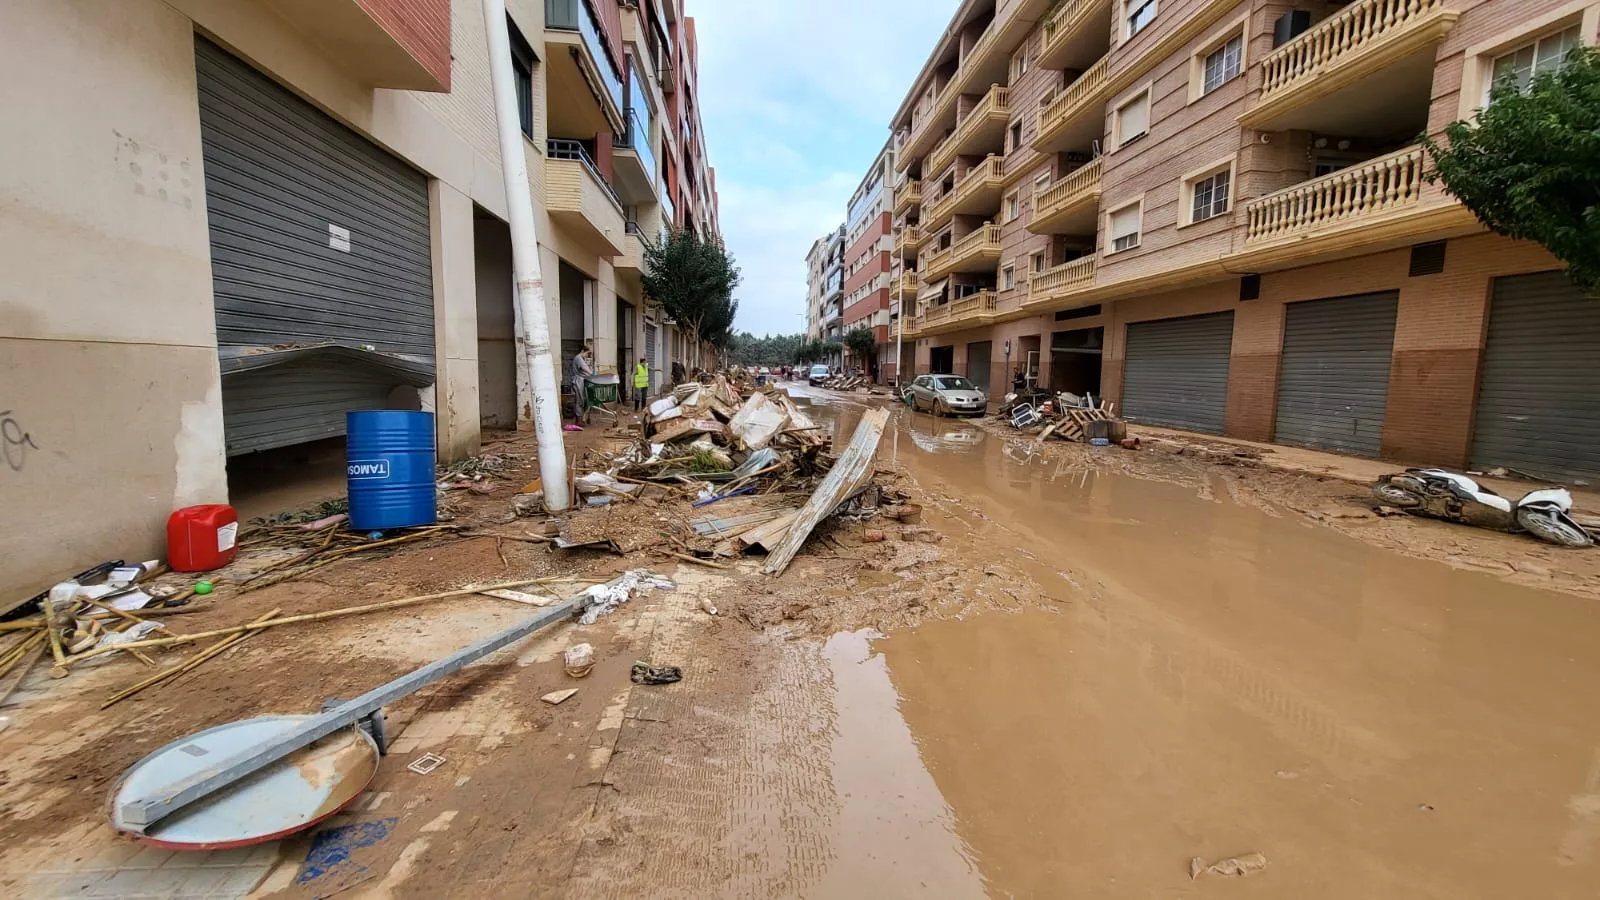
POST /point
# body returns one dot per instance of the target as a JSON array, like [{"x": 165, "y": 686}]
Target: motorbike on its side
[{"x": 1440, "y": 494}]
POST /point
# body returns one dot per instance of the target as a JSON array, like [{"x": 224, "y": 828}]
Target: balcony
[
  {"x": 1057, "y": 286},
  {"x": 580, "y": 201},
  {"x": 1075, "y": 34},
  {"x": 584, "y": 87},
  {"x": 970, "y": 311},
  {"x": 981, "y": 133},
  {"x": 976, "y": 252},
  {"x": 913, "y": 326},
  {"x": 988, "y": 61},
  {"x": 976, "y": 194},
  {"x": 631, "y": 262},
  {"x": 635, "y": 162},
  {"x": 907, "y": 198},
  {"x": 926, "y": 132},
  {"x": 909, "y": 241},
  {"x": 412, "y": 58},
  {"x": 1364, "y": 203},
  {"x": 1071, "y": 205},
  {"x": 1077, "y": 116},
  {"x": 905, "y": 287},
  {"x": 1365, "y": 71}
]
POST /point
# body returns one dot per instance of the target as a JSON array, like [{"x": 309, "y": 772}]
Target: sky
[{"x": 796, "y": 97}]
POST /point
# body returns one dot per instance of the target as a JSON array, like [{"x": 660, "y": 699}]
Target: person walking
[
  {"x": 641, "y": 384},
  {"x": 582, "y": 368}
]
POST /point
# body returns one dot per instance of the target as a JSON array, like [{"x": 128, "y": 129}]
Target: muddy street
[
  {"x": 1084, "y": 670},
  {"x": 1217, "y": 676}
]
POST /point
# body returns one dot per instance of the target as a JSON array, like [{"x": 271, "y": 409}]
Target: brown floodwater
[{"x": 1209, "y": 680}]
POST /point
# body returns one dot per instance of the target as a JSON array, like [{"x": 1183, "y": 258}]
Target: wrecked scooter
[{"x": 1438, "y": 494}]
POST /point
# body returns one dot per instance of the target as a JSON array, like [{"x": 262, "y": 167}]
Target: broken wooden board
[
  {"x": 555, "y": 698},
  {"x": 851, "y": 472},
  {"x": 519, "y": 597}
]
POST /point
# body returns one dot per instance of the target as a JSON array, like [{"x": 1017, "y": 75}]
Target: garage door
[
  {"x": 978, "y": 356},
  {"x": 1175, "y": 372},
  {"x": 1539, "y": 395},
  {"x": 650, "y": 355},
  {"x": 317, "y": 236},
  {"x": 1333, "y": 381}
]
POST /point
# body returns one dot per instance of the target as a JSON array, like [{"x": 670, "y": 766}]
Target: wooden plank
[{"x": 850, "y": 473}]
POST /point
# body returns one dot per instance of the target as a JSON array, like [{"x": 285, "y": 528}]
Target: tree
[
  {"x": 1528, "y": 165},
  {"x": 694, "y": 280},
  {"x": 863, "y": 343},
  {"x": 771, "y": 350}
]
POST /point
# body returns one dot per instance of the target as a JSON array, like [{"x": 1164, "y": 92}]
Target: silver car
[{"x": 947, "y": 395}]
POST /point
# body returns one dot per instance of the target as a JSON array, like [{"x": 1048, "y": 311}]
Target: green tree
[
  {"x": 694, "y": 280},
  {"x": 1528, "y": 165},
  {"x": 861, "y": 341}
]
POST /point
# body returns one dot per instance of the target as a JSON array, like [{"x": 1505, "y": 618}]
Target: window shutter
[{"x": 1135, "y": 118}]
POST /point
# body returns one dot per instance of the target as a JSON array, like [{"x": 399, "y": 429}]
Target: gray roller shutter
[
  {"x": 978, "y": 357},
  {"x": 1175, "y": 372},
  {"x": 650, "y": 353},
  {"x": 1333, "y": 381},
  {"x": 318, "y": 236},
  {"x": 1539, "y": 395}
]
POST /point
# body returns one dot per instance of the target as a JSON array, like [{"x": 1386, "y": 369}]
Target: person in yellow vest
[{"x": 641, "y": 384}]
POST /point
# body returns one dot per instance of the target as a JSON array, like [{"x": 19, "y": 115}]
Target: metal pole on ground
[{"x": 525, "y": 264}]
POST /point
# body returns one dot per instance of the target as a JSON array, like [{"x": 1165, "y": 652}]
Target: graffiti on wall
[{"x": 14, "y": 441}]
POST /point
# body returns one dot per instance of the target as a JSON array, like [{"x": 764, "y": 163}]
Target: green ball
[{"x": 203, "y": 588}]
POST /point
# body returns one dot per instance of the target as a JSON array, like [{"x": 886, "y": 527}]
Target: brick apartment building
[
  {"x": 1214, "y": 212},
  {"x": 868, "y": 244},
  {"x": 825, "y": 276},
  {"x": 231, "y": 223}
]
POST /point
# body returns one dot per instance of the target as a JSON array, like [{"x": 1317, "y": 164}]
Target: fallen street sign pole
[{"x": 138, "y": 814}]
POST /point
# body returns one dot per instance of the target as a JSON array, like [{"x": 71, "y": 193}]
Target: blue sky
[{"x": 796, "y": 96}]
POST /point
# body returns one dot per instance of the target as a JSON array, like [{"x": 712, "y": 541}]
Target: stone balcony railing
[
  {"x": 990, "y": 173},
  {"x": 982, "y": 243},
  {"x": 1075, "y": 100},
  {"x": 1061, "y": 281},
  {"x": 1363, "y": 27},
  {"x": 995, "y": 107},
  {"x": 1061, "y": 23},
  {"x": 907, "y": 197},
  {"x": 1076, "y": 189},
  {"x": 1346, "y": 198}
]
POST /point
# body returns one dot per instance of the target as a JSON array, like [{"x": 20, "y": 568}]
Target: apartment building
[
  {"x": 825, "y": 277},
  {"x": 1215, "y": 213},
  {"x": 868, "y": 245},
  {"x": 231, "y": 223}
]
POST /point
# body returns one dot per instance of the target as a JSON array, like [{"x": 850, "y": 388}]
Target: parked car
[
  {"x": 818, "y": 375},
  {"x": 947, "y": 395}
]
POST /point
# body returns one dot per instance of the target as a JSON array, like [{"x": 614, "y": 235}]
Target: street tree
[
  {"x": 861, "y": 341},
  {"x": 694, "y": 281},
  {"x": 1528, "y": 164}
]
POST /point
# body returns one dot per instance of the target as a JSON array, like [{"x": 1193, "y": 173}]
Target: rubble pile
[{"x": 1066, "y": 417}]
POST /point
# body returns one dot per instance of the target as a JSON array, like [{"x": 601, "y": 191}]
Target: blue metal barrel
[{"x": 389, "y": 469}]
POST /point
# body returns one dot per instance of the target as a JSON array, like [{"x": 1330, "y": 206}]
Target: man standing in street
[
  {"x": 582, "y": 368},
  {"x": 641, "y": 384}
]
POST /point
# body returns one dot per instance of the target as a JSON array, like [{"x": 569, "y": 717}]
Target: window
[
  {"x": 1040, "y": 185},
  {"x": 1014, "y": 136},
  {"x": 1521, "y": 65},
  {"x": 1125, "y": 228},
  {"x": 522, "y": 60},
  {"x": 1048, "y": 97},
  {"x": 1223, "y": 64},
  {"x": 1019, "y": 65},
  {"x": 1036, "y": 261},
  {"x": 1013, "y": 207},
  {"x": 1133, "y": 119},
  {"x": 1008, "y": 278},
  {"x": 1140, "y": 14},
  {"x": 1210, "y": 196}
]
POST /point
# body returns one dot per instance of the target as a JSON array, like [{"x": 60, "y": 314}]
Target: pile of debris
[
  {"x": 847, "y": 382},
  {"x": 1066, "y": 417},
  {"x": 758, "y": 457}
]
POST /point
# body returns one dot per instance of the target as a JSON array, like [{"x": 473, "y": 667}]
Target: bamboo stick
[
  {"x": 308, "y": 617},
  {"x": 186, "y": 665},
  {"x": 124, "y": 614},
  {"x": 695, "y": 559},
  {"x": 31, "y": 656}
]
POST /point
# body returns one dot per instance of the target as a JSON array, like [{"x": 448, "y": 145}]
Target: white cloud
[{"x": 796, "y": 99}]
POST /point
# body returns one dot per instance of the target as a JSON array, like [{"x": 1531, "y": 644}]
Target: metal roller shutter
[
  {"x": 1333, "y": 380},
  {"x": 650, "y": 354},
  {"x": 1539, "y": 395},
  {"x": 317, "y": 236},
  {"x": 978, "y": 356},
  {"x": 1175, "y": 372}
]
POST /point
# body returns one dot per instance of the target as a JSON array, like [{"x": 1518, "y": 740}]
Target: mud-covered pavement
[{"x": 1098, "y": 666}]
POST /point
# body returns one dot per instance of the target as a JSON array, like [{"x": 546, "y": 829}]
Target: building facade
[
  {"x": 235, "y": 222},
  {"x": 825, "y": 290},
  {"x": 868, "y": 245},
  {"x": 1214, "y": 212}
]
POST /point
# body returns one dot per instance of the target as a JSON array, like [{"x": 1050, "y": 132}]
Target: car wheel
[{"x": 940, "y": 409}]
